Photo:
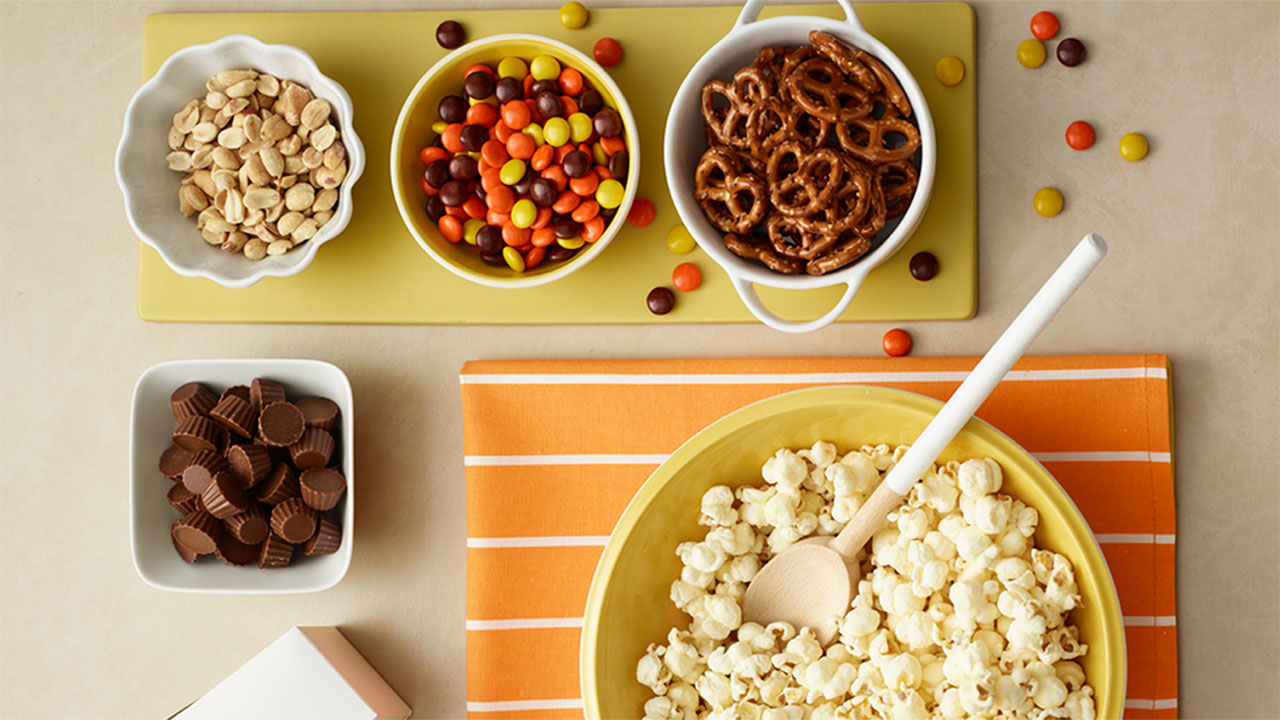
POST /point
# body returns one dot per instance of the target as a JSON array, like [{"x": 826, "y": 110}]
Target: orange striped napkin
[{"x": 556, "y": 449}]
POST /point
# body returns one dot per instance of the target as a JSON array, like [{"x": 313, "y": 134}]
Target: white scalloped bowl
[{"x": 151, "y": 190}]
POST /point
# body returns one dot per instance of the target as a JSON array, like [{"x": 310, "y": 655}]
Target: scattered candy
[
  {"x": 680, "y": 241},
  {"x": 1044, "y": 25},
  {"x": 1133, "y": 147},
  {"x": 1071, "y": 52},
  {"x": 896, "y": 342},
  {"x": 660, "y": 300},
  {"x": 924, "y": 266},
  {"x": 949, "y": 70},
  {"x": 642, "y": 213},
  {"x": 573, "y": 15},
  {"x": 607, "y": 52},
  {"x": 1047, "y": 201},
  {"x": 450, "y": 35},
  {"x": 1031, "y": 53},
  {"x": 1080, "y": 135},
  {"x": 686, "y": 277}
]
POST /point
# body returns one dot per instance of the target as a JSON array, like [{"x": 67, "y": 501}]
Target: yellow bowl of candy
[
  {"x": 414, "y": 131},
  {"x": 629, "y": 606}
]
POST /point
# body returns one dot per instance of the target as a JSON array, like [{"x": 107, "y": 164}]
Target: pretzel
[
  {"x": 751, "y": 86},
  {"x": 802, "y": 183},
  {"x": 850, "y": 205},
  {"x": 719, "y": 185},
  {"x": 871, "y": 223},
  {"x": 727, "y": 125},
  {"x": 864, "y": 138},
  {"x": 789, "y": 240},
  {"x": 843, "y": 254},
  {"x": 845, "y": 58},
  {"x": 741, "y": 247},
  {"x": 898, "y": 181},
  {"x": 772, "y": 123},
  {"x": 892, "y": 89}
]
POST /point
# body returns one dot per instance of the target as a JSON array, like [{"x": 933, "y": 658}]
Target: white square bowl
[{"x": 150, "y": 515}]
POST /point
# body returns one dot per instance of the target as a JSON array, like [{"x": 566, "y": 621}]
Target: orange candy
[
  {"x": 593, "y": 229},
  {"x": 451, "y": 138},
  {"x": 457, "y": 212},
  {"x": 569, "y": 105},
  {"x": 567, "y": 201},
  {"x": 481, "y": 67},
  {"x": 489, "y": 179},
  {"x": 502, "y": 133},
  {"x": 497, "y": 218},
  {"x": 427, "y": 189},
  {"x": 474, "y": 207},
  {"x": 500, "y": 199},
  {"x": 431, "y": 153},
  {"x": 602, "y": 172},
  {"x": 585, "y": 185},
  {"x": 556, "y": 174},
  {"x": 516, "y": 114},
  {"x": 521, "y": 146},
  {"x": 543, "y": 218},
  {"x": 543, "y": 236},
  {"x": 534, "y": 257},
  {"x": 896, "y": 342},
  {"x": 527, "y": 84},
  {"x": 686, "y": 277},
  {"x": 450, "y": 228},
  {"x": 514, "y": 236},
  {"x": 585, "y": 211},
  {"x": 570, "y": 81},
  {"x": 563, "y": 150},
  {"x": 481, "y": 114},
  {"x": 494, "y": 153},
  {"x": 611, "y": 145},
  {"x": 542, "y": 158},
  {"x": 642, "y": 212}
]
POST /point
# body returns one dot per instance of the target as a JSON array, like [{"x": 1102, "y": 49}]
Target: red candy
[
  {"x": 642, "y": 212},
  {"x": 607, "y": 52},
  {"x": 686, "y": 277},
  {"x": 1080, "y": 135},
  {"x": 1044, "y": 25},
  {"x": 896, "y": 342}
]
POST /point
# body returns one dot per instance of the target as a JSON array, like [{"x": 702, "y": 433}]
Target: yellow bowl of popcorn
[{"x": 971, "y": 513}]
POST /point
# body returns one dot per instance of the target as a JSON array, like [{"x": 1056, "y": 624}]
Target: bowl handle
[
  {"x": 747, "y": 291},
  {"x": 752, "y": 9}
]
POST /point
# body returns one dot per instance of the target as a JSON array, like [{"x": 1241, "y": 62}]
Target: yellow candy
[
  {"x": 1133, "y": 147},
  {"x": 534, "y": 130},
  {"x": 470, "y": 228},
  {"x": 512, "y": 171},
  {"x": 472, "y": 154},
  {"x": 523, "y": 213},
  {"x": 580, "y": 127},
  {"x": 491, "y": 100},
  {"x": 556, "y": 131},
  {"x": 609, "y": 193},
  {"x": 512, "y": 67},
  {"x": 950, "y": 70},
  {"x": 544, "y": 67},
  {"x": 680, "y": 241},
  {"x": 597, "y": 152},
  {"x": 1047, "y": 201},
  {"x": 438, "y": 126},
  {"x": 573, "y": 15},
  {"x": 572, "y": 243},
  {"x": 1031, "y": 53},
  {"x": 514, "y": 259}
]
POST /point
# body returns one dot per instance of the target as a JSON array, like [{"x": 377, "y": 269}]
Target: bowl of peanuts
[
  {"x": 514, "y": 161},
  {"x": 985, "y": 593},
  {"x": 238, "y": 160},
  {"x": 800, "y": 154}
]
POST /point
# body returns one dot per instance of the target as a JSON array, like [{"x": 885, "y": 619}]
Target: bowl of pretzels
[{"x": 800, "y": 154}]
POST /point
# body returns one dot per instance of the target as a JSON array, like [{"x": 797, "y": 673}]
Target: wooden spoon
[{"x": 812, "y": 583}]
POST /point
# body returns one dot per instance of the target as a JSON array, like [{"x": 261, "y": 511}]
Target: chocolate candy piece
[
  {"x": 924, "y": 266},
  {"x": 543, "y": 192},
  {"x": 450, "y": 35},
  {"x": 549, "y": 105},
  {"x": 555, "y": 253},
  {"x": 204, "y": 465},
  {"x": 240, "y": 391},
  {"x": 190, "y": 400},
  {"x": 319, "y": 412},
  {"x": 542, "y": 86},
  {"x": 182, "y": 499},
  {"x": 464, "y": 167},
  {"x": 198, "y": 433},
  {"x": 263, "y": 392},
  {"x": 173, "y": 461},
  {"x": 279, "y": 486},
  {"x": 326, "y": 540},
  {"x": 235, "y": 553},
  {"x": 313, "y": 450},
  {"x": 437, "y": 173},
  {"x": 523, "y": 184},
  {"x": 322, "y": 487},
  {"x": 619, "y": 162},
  {"x": 1071, "y": 52},
  {"x": 281, "y": 423},
  {"x": 453, "y": 193},
  {"x": 275, "y": 553},
  {"x": 187, "y": 554},
  {"x": 435, "y": 206},
  {"x": 507, "y": 89},
  {"x": 478, "y": 85},
  {"x": 576, "y": 164},
  {"x": 472, "y": 137},
  {"x": 235, "y": 414},
  {"x": 489, "y": 240},
  {"x": 494, "y": 258},
  {"x": 607, "y": 123},
  {"x": 224, "y": 497},
  {"x": 249, "y": 527},
  {"x": 660, "y": 300},
  {"x": 452, "y": 109},
  {"x": 566, "y": 228},
  {"x": 590, "y": 101},
  {"x": 292, "y": 520},
  {"x": 198, "y": 531}
]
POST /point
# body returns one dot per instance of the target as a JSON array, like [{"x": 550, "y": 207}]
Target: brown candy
[
  {"x": 318, "y": 412},
  {"x": 191, "y": 400},
  {"x": 187, "y": 554},
  {"x": 250, "y": 526},
  {"x": 182, "y": 499},
  {"x": 322, "y": 487},
  {"x": 236, "y": 414},
  {"x": 312, "y": 450},
  {"x": 198, "y": 433},
  {"x": 326, "y": 540},
  {"x": 281, "y": 423},
  {"x": 275, "y": 553},
  {"x": 224, "y": 497},
  {"x": 235, "y": 553},
  {"x": 263, "y": 392},
  {"x": 281, "y": 485},
  {"x": 250, "y": 464},
  {"x": 173, "y": 461},
  {"x": 204, "y": 465},
  {"x": 198, "y": 531},
  {"x": 292, "y": 520},
  {"x": 240, "y": 391}
]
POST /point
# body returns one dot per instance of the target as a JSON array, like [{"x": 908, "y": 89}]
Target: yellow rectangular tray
[{"x": 374, "y": 272}]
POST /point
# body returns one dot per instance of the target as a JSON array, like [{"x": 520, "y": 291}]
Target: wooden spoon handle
[{"x": 866, "y": 521}]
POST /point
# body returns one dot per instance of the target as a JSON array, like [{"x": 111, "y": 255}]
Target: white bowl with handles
[{"x": 685, "y": 141}]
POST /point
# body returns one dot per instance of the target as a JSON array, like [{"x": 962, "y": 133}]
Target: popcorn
[{"x": 957, "y": 614}]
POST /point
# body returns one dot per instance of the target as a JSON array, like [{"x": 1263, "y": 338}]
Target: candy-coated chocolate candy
[
  {"x": 549, "y": 104},
  {"x": 607, "y": 123},
  {"x": 609, "y": 193},
  {"x": 1031, "y": 53},
  {"x": 590, "y": 101},
  {"x": 473, "y": 137},
  {"x": 489, "y": 240},
  {"x": 949, "y": 70},
  {"x": 580, "y": 127},
  {"x": 470, "y": 229},
  {"x": 556, "y": 131},
  {"x": 452, "y": 109},
  {"x": 449, "y": 34},
  {"x": 660, "y": 300},
  {"x": 1071, "y": 52},
  {"x": 896, "y": 342},
  {"x": 1044, "y": 25},
  {"x": 543, "y": 192},
  {"x": 576, "y": 164},
  {"x": 1133, "y": 147},
  {"x": 544, "y": 67},
  {"x": 511, "y": 173},
  {"x": 513, "y": 258},
  {"x": 686, "y": 277},
  {"x": 438, "y": 126},
  {"x": 680, "y": 241},
  {"x": 573, "y": 15},
  {"x": 508, "y": 89},
  {"x": 642, "y": 212},
  {"x": 923, "y": 266},
  {"x": 523, "y": 213},
  {"x": 607, "y": 51},
  {"x": 1047, "y": 201},
  {"x": 571, "y": 243},
  {"x": 1080, "y": 135},
  {"x": 512, "y": 67},
  {"x": 534, "y": 130},
  {"x": 478, "y": 85}
]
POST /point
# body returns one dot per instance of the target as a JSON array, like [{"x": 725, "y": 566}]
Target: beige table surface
[{"x": 1193, "y": 272}]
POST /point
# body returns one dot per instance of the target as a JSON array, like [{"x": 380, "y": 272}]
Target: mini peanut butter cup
[
  {"x": 204, "y": 465},
  {"x": 263, "y": 392},
  {"x": 249, "y": 527},
  {"x": 224, "y": 497},
  {"x": 235, "y": 414},
  {"x": 183, "y": 500},
  {"x": 184, "y": 552},
  {"x": 275, "y": 553},
  {"x": 198, "y": 531},
  {"x": 292, "y": 520},
  {"x": 250, "y": 464},
  {"x": 173, "y": 461},
  {"x": 279, "y": 486},
  {"x": 240, "y": 391},
  {"x": 313, "y": 450},
  {"x": 281, "y": 423},
  {"x": 326, "y": 540},
  {"x": 235, "y": 553},
  {"x": 321, "y": 488},
  {"x": 198, "y": 433},
  {"x": 319, "y": 412},
  {"x": 191, "y": 400}
]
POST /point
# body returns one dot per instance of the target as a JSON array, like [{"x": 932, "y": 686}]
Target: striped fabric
[{"x": 556, "y": 449}]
